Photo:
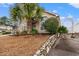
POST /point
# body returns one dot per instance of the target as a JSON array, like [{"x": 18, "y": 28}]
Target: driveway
[{"x": 66, "y": 47}]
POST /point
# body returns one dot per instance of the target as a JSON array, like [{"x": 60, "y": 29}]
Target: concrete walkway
[{"x": 60, "y": 52}]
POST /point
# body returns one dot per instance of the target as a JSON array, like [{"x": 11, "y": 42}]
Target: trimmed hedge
[
  {"x": 5, "y": 32},
  {"x": 24, "y": 32}
]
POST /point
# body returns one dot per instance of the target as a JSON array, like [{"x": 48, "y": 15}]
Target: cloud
[
  {"x": 62, "y": 17},
  {"x": 66, "y": 17},
  {"x": 54, "y": 11},
  {"x": 69, "y": 16},
  {"x": 76, "y": 5},
  {"x": 65, "y": 20},
  {"x": 77, "y": 21}
]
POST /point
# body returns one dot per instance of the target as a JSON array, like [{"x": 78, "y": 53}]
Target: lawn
[{"x": 21, "y": 45}]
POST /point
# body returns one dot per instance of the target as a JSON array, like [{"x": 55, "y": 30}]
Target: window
[
  {"x": 42, "y": 21},
  {"x": 43, "y": 18},
  {"x": 42, "y": 26}
]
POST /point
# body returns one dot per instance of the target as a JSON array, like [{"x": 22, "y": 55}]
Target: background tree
[
  {"x": 16, "y": 17},
  {"x": 51, "y": 25},
  {"x": 3, "y": 20},
  {"x": 62, "y": 29}
]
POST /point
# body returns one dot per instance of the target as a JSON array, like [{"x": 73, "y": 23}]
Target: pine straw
[{"x": 21, "y": 45}]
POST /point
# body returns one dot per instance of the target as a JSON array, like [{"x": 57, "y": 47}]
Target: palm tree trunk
[{"x": 29, "y": 26}]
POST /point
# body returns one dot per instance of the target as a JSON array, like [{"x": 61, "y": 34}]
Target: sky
[{"x": 66, "y": 11}]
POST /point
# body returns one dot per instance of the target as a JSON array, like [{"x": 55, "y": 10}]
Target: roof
[{"x": 53, "y": 14}]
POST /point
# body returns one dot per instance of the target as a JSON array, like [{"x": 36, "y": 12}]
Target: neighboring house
[
  {"x": 39, "y": 26},
  {"x": 5, "y": 28}
]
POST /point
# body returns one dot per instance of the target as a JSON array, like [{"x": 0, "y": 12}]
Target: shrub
[
  {"x": 17, "y": 33},
  {"x": 24, "y": 32},
  {"x": 6, "y": 32},
  {"x": 62, "y": 29},
  {"x": 34, "y": 31},
  {"x": 51, "y": 25}
]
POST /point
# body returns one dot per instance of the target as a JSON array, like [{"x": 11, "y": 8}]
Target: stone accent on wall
[{"x": 52, "y": 41}]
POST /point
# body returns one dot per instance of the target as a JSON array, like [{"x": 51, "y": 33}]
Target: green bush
[
  {"x": 62, "y": 29},
  {"x": 34, "y": 31},
  {"x": 24, "y": 32},
  {"x": 51, "y": 25},
  {"x": 5, "y": 32},
  {"x": 17, "y": 33}
]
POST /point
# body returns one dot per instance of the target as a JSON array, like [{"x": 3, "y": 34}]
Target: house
[
  {"x": 39, "y": 25},
  {"x": 5, "y": 28}
]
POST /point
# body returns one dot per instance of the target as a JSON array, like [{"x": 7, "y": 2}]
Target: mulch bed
[{"x": 21, "y": 45}]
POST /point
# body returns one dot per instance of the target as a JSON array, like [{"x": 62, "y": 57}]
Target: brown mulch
[{"x": 21, "y": 45}]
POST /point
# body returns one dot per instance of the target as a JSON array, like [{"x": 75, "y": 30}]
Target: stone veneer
[{"x": 52, "y": 41}]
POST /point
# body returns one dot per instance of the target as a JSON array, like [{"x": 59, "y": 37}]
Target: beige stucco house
[{"x": 39, "y": 25}]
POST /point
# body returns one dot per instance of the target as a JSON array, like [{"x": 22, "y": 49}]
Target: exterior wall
[
  {"x": 58, "y": 18},
  {"x": 23, "y": 25},
  {"x": 7, "y": 28},
  {"x": 46, "y": 15},
  {"x": 37, "y": 26}
]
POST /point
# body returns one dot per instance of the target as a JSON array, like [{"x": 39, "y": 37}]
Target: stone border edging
[{"x": 52, "y": 41}]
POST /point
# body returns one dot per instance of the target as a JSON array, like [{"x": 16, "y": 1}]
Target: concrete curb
[{"x": 5, "y": 35}]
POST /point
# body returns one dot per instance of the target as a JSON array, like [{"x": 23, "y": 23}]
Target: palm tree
[
  {"x": 15, "y": 16},
  {"x": 30, "y": 12}
]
